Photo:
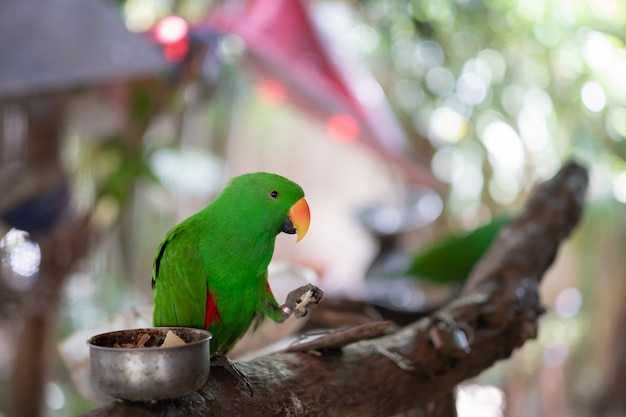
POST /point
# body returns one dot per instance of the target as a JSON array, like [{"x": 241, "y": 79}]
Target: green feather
[
  {"x": 451, "y": 259},
  {"x": 224, "y": 250}
]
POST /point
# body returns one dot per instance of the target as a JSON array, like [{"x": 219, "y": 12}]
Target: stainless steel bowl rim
[{"x": 138, "y": 330}]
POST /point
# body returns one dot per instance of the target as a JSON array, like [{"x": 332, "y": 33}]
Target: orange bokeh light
[
  {"x": 343, "y": 128},
  {"x": 271, "y": 92}
]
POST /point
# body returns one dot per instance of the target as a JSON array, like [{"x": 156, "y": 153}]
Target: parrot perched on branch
[
  {"x": 210, "y": 271},
  {"x": 451, "y": 260}
]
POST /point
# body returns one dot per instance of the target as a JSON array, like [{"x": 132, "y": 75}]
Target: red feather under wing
[{"x": 212, "y": 314}]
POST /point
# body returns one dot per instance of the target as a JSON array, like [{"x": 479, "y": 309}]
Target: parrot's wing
[{"x": 179, "y": 282}]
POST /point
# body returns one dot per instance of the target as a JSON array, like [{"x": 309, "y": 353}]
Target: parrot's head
[{"x": 270, "y": 202}]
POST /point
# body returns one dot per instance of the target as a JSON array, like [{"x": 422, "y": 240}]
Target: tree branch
[{"x": 415, "y": 365}]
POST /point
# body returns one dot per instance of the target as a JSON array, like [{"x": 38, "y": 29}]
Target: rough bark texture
[{"x": 415, "y": 366}]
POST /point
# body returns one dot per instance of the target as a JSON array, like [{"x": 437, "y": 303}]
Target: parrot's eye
[{"x": 274, "y": 194}]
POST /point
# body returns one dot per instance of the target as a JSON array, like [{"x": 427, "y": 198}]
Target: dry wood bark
[{"x": 497, "y": 312}]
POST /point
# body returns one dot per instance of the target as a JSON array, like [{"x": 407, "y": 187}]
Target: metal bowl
[{"x": 151, "y": 372}]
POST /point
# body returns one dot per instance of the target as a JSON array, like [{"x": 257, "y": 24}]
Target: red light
[
  {"x": 171, "y": 30},
  {"x": 176, "y": 51},
  {"x": 271, "y": 92},
  {"x": 343, "y": 128}
]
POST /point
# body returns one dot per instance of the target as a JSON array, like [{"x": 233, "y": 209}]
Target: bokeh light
[
  {"x": 171, "y": 29},
  {"x": 568, "y": 302},
  {"x": 494, "y": 62},
  {"x": 593, "y": 96},
  {"x": 473, "y": 400},
  {"x": 504, "y": 147},
  {"x": 448, "y": 164},
  {"x": 21, "y": 256},
  {"x": 446, "y": 125},
  {"x": 567, "y": 62},
  {"x": 187, "y": 171},
  {"x": 469, "y": 185},
  {"x": 430, "y": 54},
  {"x": 504, "y": 187},
  {"x": 340, "y": 22},
  {"x": 343, "y": 128},
  {"x": 616, "y": 123},
  {"x": 471, "y": 89},
  {"x": 597, "y": 51},
  {"x": 140, "y": 15},
  {"x": 271, "y": 92},
  {"x": 440, "y": 81},
  {"x": 54, "y": 396},
  {"x": 619, "y": 187}
]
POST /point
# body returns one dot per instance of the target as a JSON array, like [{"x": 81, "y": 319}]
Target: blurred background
[{"x": 403, "y": 120}]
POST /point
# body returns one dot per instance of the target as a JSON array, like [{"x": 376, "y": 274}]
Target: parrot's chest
[
  {"x": 237, "y": 312},
  {"x": 239, "y": 306}
]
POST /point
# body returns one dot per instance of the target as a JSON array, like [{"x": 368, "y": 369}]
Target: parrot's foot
[
  {"x": 300, "y": 299},
  {"x": 224, "y": 362}
]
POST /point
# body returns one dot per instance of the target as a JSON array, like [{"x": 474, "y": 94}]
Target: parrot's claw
[
  {"x": 300, "y": 299},
  {"x": 224, "y": 362}
]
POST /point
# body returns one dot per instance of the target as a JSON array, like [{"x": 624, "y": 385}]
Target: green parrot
[
  {"x": 450, "y": 260},
  {"x": 210, "y": 271}
]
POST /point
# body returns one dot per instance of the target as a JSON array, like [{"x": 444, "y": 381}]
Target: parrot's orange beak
[{"x": 300, "y": 217}]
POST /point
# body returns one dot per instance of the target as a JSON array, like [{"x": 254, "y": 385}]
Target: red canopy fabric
[{"x": 283, "y": 45}]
